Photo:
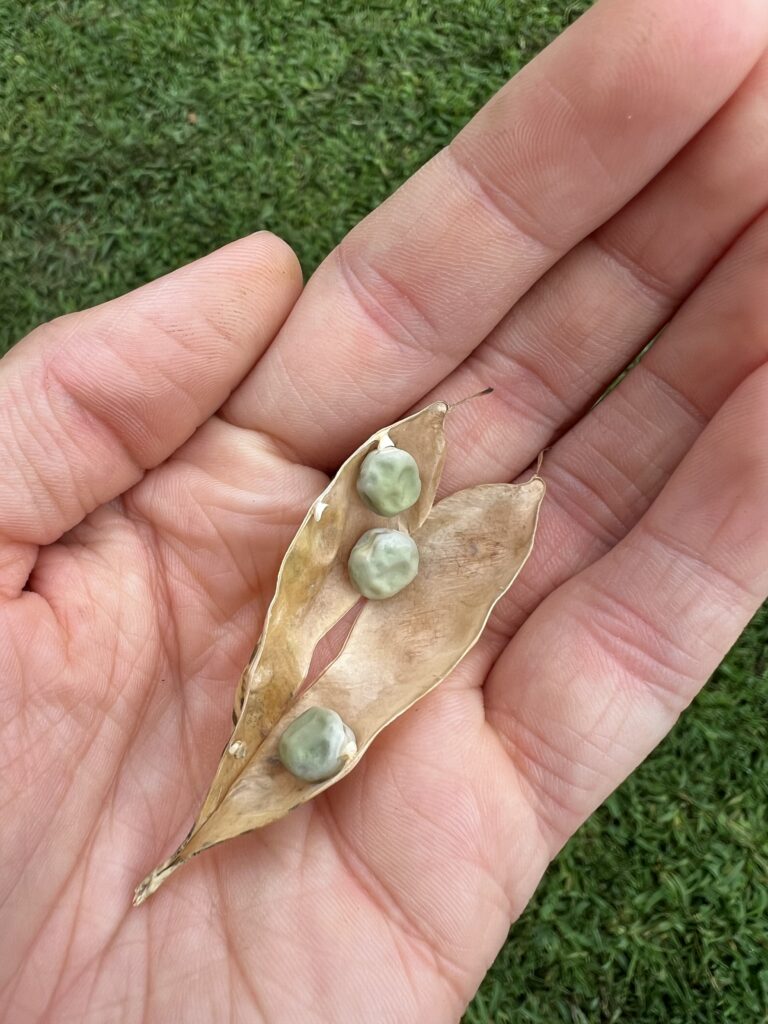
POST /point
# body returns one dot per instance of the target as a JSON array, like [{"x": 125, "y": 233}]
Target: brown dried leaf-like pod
[
  {"x": 313, "y": 589},
  {"x": 472, "y": 546},
  {"x": 312, "y": 583}
]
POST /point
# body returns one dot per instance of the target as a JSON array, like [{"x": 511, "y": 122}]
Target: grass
[{"x": 138, "y": 136}]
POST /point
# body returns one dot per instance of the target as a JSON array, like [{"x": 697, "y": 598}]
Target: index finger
[{"x": 421, "y": 281}]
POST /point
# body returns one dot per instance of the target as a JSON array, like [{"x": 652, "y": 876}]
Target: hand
[{"x": 142, "y": 529}]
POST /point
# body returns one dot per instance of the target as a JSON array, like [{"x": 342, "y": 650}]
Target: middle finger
[{"x": 413, "y": 289}]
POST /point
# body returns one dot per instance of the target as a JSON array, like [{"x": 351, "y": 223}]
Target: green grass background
[{"x": 139, "y": 135}]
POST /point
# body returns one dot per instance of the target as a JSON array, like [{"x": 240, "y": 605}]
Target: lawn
[{"x": 138, "y": 136}]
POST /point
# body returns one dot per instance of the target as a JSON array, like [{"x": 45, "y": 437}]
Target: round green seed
[
  {"x": 389, "y": 481},
  {"x": 316, "y": 745},
  {"x": 383, "y": 562}
]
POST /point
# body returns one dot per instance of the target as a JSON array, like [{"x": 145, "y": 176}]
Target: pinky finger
[{"x": 602, "y": 669}]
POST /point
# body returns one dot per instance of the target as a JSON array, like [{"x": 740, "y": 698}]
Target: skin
[{"x": 157, "y": 453}]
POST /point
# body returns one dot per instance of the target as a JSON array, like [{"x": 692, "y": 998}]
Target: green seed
[
  {"x": 316, "y": 745},
  {"x": 383, "y": 562},
  {"x": 389, "y": 481}
]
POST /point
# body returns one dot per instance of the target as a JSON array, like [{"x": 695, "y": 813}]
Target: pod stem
[
  {"x": 469, "y": 398},
  {"x": 155, "y": 879}
]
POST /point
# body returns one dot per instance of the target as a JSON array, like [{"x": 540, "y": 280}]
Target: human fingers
[
  {"x": 92, "y": 400},
  {"x": 606, "y": 471},
  {"x": 599, "y": 672},
  {"x": 569, "y": 336},
  {"x": 602, "y": 669},
  {"x": 418, "y": 285}
]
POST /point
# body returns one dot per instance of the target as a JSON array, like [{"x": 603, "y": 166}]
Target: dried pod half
[
  {"x": 471, "y": 547},
  {"x": 313, "y": 587}
]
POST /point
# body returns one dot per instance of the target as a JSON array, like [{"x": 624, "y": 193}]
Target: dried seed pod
[
  {"x": 316, "y": 745},
  {"x": 313, "y": 587},
  {"x": 383, "y": 562},
  {"x": 471, "y": 546},
  {"x": 389, "y": 481}
]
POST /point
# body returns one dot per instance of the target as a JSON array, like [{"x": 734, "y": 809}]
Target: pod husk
[
  {"x": 472, "y": 546},
  {"x": 313, "y": 591}
]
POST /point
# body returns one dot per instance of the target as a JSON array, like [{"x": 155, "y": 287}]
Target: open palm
[{"x": 158, "y": 452}]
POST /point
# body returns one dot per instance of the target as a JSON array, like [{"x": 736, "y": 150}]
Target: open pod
[{"x": 472, "y": 545}]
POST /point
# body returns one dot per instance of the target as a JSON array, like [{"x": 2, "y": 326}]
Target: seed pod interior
[
  {"x": 313, "y": 590},
  {"x": 472, "y": 547}
]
